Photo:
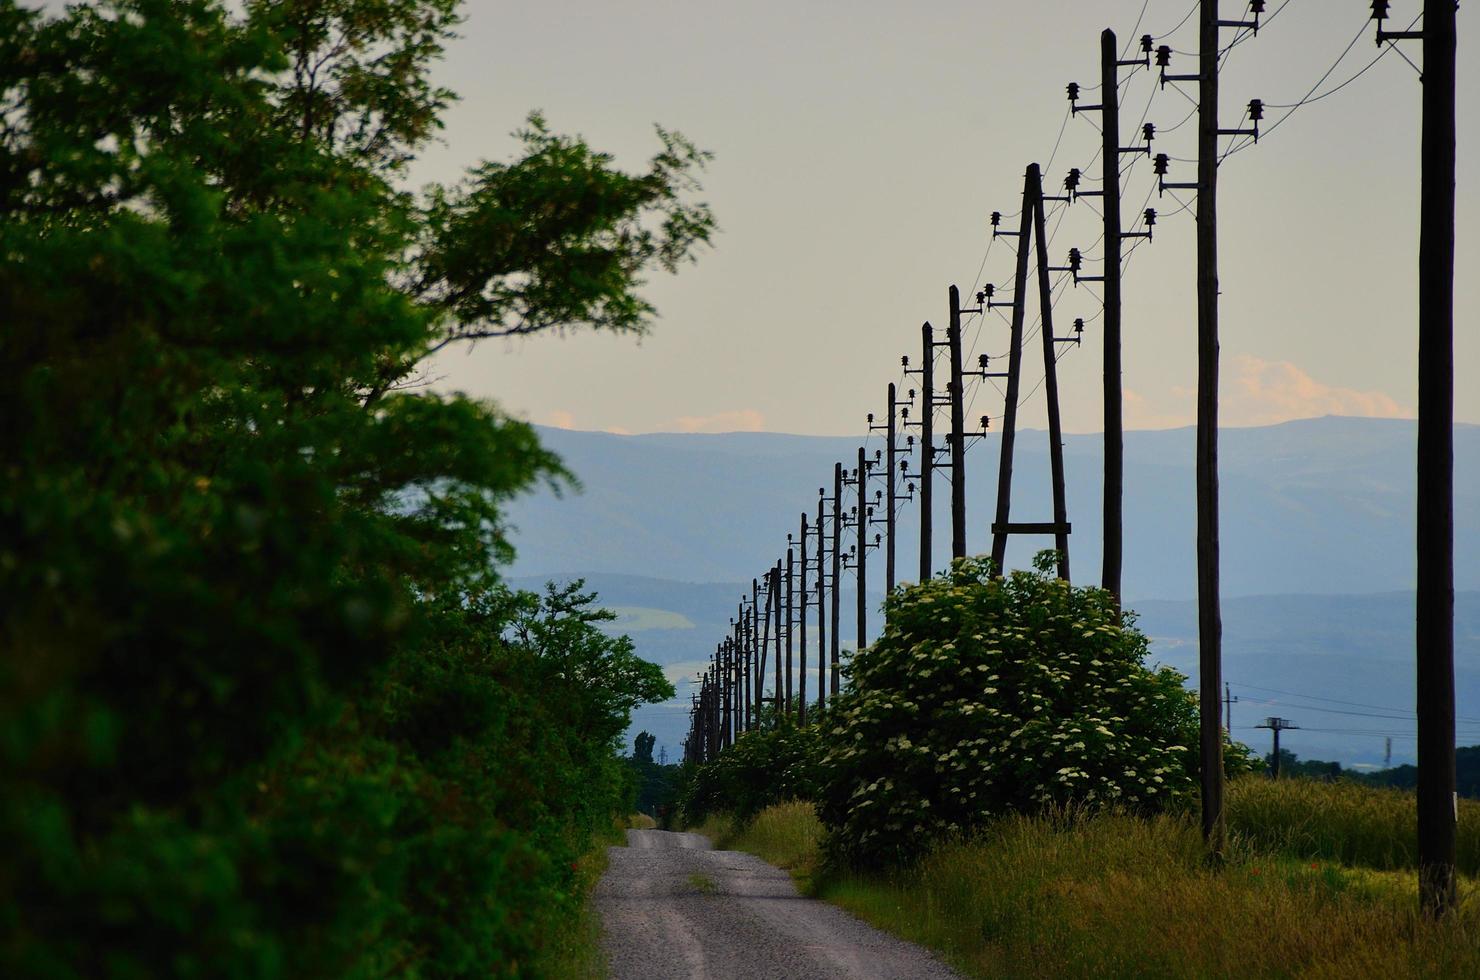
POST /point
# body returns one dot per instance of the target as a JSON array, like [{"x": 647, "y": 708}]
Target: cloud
[
  {"x": 1263, "y": 392},
  {"x": 560, "y": 419},
  {"x": 744, "y": 420},
  {"x": 1259, "y": 392}
]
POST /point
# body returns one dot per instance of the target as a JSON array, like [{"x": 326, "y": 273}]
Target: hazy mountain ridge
[
  {"x": 1321, "y": 505},
  {"x": 1317, "y": 553}
]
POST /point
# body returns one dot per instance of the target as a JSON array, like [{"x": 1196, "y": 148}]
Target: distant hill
[
  {"x": 1317, "y": 555},
  {"x": 1321, "y": 505}
]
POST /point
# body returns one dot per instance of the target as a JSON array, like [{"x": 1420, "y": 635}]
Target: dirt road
[{"x": 673, "y": 909}]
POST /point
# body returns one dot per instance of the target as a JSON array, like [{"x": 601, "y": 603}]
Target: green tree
[{"x": 236, "y": 536}]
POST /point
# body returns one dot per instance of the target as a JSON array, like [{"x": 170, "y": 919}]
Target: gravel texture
[{"x": 673, "y": 909}]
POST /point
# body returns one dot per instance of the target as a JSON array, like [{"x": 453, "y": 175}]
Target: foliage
[
  {"x": 764, "y": 766},
  {"x": 987, "y": 695},
  {"x": 1119, "y": 895},
  {"x": 263, "y": 708}
]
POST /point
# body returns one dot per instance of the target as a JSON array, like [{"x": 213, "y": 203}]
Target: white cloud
[
  {"x": 561, "y": 419},
  {"x": 1259, "y": 392},
  {"x": 743, "y": 420}
]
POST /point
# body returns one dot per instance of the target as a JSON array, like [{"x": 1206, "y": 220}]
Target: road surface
[{"x": 673, "y": 909}]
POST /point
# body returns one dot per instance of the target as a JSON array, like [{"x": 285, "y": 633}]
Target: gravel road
[{"x": 673, "y": 909}]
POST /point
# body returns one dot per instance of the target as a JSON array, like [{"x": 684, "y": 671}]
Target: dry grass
[
  {"x": 786, "y": 835},
  {"x": 1119, "y": 896}
]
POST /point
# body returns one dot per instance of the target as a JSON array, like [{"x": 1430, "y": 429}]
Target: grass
[
  {"x": 1121, "y": 896},
  {"x": 1359, "y": 825},
  {"x": 576, "y": 952},
  {"x": 786, "y": 835}
]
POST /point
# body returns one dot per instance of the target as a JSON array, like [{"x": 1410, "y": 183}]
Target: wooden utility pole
[
  {"x": 927, "y": 447},
  {"x": 803, "y": 597},
  {"x": 757, "y": 664},
  {"x": 1014, "y": 374},
  {"x": 1110, "y": 152},
  {"x": 1051, "y": 388},
  {"x": 776, "y": 695},
  {"x": 1209, "y": 614},
  {"x": 891, "y": 494},
  {"x": 863, "y": 523},
  {"x": 837, "y": 570},
  {"x": 1435, "y": 533},
  {"x": 958, "y": 430},
  {"x": 821, "y": 607},
  {"x": 790, "y": 622}
]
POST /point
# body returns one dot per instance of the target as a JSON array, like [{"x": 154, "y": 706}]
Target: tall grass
[
  {"x": 1121, "y": 896},
  {"x": 1369, "y": 826}
]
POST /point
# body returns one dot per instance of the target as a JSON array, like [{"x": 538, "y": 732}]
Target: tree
[
  {"x": 233, "y": 530},
  {"x": 642, "y": 748}
]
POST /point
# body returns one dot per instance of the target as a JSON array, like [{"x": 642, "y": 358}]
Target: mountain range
[{"x": 1317, "y": 558}]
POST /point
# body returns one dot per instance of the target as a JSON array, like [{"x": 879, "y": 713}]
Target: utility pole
[
  {"x": 927, "y": 448},
  {"x": 821, "y": 607},
  {"x": 1277, "y": 725},
  {"x": 1110, "y": 154},
  {"x": 958, "y": 430},
  {"x": 802, "y": 630},
  {"x": 790, "y": 620},
  {"x": 1051, "y": 388},
  {"x": 757, "y": 667},
  {"x": 1435, "y": 531},
  {"x": 864, "y": 511},
  {"x": 1014, "y": 374},
  {"x": 1210, "y": 616},
  {"x": 776, "y": 696},
  {"x": 891, "y": 495},
  {"x": 837, "y": 569},
  {"x": 1228, "y": 702}
]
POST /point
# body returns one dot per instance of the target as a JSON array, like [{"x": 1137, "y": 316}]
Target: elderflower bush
[{"x": 987, "y": 696}]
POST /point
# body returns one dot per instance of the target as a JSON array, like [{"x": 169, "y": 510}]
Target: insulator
[
  {"x": 1256, "y": 109},
  {"x": 996, "y": 218},
  {"x": 1148, "y": 131},
  {"x": 904, "y": 466},
  {"x": 980, "y": 296},
  {"x": 986, "y": 422},
  {"x": 1146, "y": 43},
  {"x": 870, "y": 418},
  {"x": 909, "y": 441},
  {"x": 878, "y": 455},
  {"x": 905, "y": 361},
  {"x": 1074, "y": 260},
  {"x": 909, "y": 488},
  {"x": 878, "y": 538},
  {"x": 983, "y": 360},
  {"x": 1071, "y": 182},
  {"x": 988, "y": 289},
  {"x": 1160, "y": 164},
  {"x": 1079, "y": 324},
  {"x": 878, "y": 495},
  {"x": 912, "y": 398},
  {"x": 1164, "y": 56},
  {"x": 1379, "y": 10},
  {"x": 1073, "y": 90},
  {"x": 821, "y": 492},
  {"x": 1150, "y": 217}
]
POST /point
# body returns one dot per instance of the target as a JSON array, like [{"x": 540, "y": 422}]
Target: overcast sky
[{"x": 859, "y": 149}]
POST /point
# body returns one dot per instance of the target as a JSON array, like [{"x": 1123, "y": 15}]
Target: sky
[{"x": 858, "y": 151}]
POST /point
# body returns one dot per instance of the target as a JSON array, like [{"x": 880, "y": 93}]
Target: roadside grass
[
  {"x": 1121, "y": 896},
  {"x": 575, "y": 952},
  {"x": 1369, "y": 826},
  {"x": 787, "y": 835}
]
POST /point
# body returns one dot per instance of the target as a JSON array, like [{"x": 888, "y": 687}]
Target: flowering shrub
[{"x": 984, "y": 696}]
